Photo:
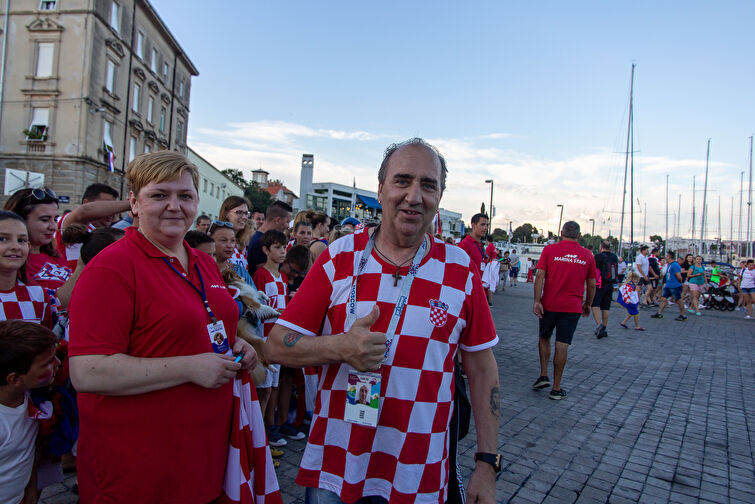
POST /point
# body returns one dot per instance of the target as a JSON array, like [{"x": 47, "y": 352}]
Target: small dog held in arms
[{"x": 256, "y": 310}]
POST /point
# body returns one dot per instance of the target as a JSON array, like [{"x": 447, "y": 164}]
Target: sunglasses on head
[
  {"x": 42, "y": 193},
  {"x": 221, "y": 223}
]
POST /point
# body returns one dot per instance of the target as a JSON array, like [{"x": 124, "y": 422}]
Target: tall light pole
[
  {"x": 490, "y": 209},
  {"x": 593, "y": 227},
  {"x": 561, "y": 216},
  {"x": 665, "y": 238}
]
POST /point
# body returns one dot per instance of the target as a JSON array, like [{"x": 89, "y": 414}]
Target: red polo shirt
[
  {"x": 474, "y": 249},
  {"x": 168, "y": 446}
]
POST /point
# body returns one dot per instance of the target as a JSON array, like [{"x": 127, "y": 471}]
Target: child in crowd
[
  {"x": 27, "y": 361},
  {"x": 274, "y": 284},
  {"x": 629, "y": 299},
  {"x": 295, "y": 267},
  {"x": 17, "y": 300},
  {"x": 201, "y": 241}
]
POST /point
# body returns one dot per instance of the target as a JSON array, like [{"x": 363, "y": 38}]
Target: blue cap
[{"x": 350, "y": 220}]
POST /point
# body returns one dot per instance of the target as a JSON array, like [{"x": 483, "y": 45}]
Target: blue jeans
[{"x": 320, "y": 496}]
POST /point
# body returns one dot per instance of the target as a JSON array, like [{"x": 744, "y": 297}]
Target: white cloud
[{"x": 527, "y": 186}]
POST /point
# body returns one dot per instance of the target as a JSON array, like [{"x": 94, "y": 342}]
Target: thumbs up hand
[{"x": 364, "y": 349}]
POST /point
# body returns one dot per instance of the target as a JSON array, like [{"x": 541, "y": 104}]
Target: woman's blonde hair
[
  {"x": 632, "y": 276},
  {"x": 159, "y": 167}
]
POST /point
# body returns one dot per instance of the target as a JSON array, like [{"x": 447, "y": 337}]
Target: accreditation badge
[
  {"x": 362, "y": 398},
  {"x": 218, "y": 337}
]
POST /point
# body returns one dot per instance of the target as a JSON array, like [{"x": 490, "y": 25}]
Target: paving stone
[{"x": 649, "y": 417}]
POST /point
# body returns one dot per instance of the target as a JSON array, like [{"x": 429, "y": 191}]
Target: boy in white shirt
[{"x": 27, "y": 361}]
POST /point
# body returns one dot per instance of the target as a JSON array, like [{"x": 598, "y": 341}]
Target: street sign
[{"x": 64, "y": 199}]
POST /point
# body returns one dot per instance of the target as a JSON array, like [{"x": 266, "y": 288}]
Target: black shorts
[
  {"x": 654, "y": 283},
  {"x": 564, "y": 323},
  {"x": 603, "y": 296}
]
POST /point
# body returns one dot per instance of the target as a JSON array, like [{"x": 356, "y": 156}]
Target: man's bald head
[{"x": 415, "y": 142}]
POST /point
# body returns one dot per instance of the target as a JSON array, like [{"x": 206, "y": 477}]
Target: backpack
[{"x": 609, "y": 269}]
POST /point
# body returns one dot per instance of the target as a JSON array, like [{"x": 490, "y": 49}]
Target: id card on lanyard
[
  {"x": 215, "y": 329},
  {"x": 363, "y": 389}
]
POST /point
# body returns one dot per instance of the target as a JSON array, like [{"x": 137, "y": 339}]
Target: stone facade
[{"x": 81, "y": 77}]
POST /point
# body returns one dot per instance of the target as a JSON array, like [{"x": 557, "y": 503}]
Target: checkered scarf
[{"x": 249, "y": 474}]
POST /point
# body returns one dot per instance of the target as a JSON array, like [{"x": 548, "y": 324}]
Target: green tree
[
  {"x": 523, "y": 233},
  {"x": 258, "y": 197},
  {"x": 499, "y": 235},
  {"x": 237, "y": 177}
]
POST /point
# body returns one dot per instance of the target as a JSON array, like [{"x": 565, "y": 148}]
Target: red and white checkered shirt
[
  {"x": 275, "y": 288},
  {"x": 70, "y": 252},
  {"x": 26, "y": 302},
  {"x": 404, "y": 459},
  {"x": 239, "y": 258}
]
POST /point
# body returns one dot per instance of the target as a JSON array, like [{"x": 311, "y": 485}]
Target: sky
[{"x": 533, "y": 95}]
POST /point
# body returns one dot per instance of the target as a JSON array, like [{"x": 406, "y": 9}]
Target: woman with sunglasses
[
  {"x": 235, "y": 210},
  {"x": 155, "y": 399},
  {"x": 39, "y": 207},
  {"x": 225, "y": 249}
]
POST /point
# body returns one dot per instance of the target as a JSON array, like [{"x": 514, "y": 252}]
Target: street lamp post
[
  {"x": 561, "y": 216},
  {"x": 490, "y": 208},
  {"x": 593, "y": 227}
]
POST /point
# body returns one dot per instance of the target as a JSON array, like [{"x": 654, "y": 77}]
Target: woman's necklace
[
  {"x": 397, "y": 276},
  {"x": 158, "y": 246}
]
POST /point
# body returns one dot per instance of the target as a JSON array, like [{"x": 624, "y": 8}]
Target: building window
[
  {"x": 110, "y": 77},
  {"x": 181, "y": 88},
  {"x": 115, "y": 16},
  {"x": 166, "y": 68},
  {"x": 40, "y": 118},
  {"x": 107, "y": 137},
  {"x": 47, "y": 5},
  {"x": 162, "y": 119},
  {"x": 135, "y": 103},
  {"x": 153, "y": 63},
  {"x": 179, "y": 132},
  {"x": 212, "y": 188},
  {"x": 150, "y": 108},
  {"x": 147, "y": 148},
  {"x": 45, "y": 53},
  {"x": 131, "y": 148},
  {"x": 205, "y": 185},
  {"x": 140, "y": 45}
]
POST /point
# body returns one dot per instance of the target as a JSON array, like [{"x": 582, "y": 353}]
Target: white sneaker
[{"x": 747, "y": 317}]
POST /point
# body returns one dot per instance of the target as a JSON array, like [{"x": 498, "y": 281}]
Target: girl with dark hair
[
  {"x": 17, "y": 300},
  {"x": 39, "y": 207}
]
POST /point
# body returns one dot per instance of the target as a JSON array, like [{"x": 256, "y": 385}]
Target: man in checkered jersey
[{"x": 404, "y": 458}]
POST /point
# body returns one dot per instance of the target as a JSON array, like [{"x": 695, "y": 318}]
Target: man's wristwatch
[{"x": 493, "y": 459}]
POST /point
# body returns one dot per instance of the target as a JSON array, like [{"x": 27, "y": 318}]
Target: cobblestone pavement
[{"x": 654, "y": 416}]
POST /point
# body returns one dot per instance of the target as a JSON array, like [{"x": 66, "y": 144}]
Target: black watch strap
[{"x": 493, "y": 459}]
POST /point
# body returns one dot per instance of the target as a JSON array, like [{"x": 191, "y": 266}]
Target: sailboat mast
[
  {"x": 693, "y": 211},
  {"x": 719, "y": 226},
  {"x": 741, "y": 192},
  {"x": 631, "y": 170},
  {"x": 749, "y": 207},
  {"x": 705, "y": 197},
  {"x": 626, "y": 165},
  {"x": 666, "y": 236}
]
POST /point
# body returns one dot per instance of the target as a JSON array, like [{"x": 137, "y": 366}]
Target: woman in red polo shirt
[
  {"x": 38, "y": 207},
  {"x": 155, "y": 400}
]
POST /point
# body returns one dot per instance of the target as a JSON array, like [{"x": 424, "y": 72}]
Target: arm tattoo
[
  {"x": 495, "y": 402},
  {"x": 290, "y": 339}
]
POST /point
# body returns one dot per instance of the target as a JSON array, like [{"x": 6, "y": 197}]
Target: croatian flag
[
  {"x": 110, "y": 159},
  {"x": 249, "y": 475}
]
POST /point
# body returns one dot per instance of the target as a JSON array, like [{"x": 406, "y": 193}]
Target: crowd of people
[{"x": 121, "y": 344}]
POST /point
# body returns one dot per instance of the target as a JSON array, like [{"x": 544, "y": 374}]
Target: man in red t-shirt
[
  {"x": 472, "y": 243},
  {"x": 562, "y": 272},
  {"x": 389, "y": 308}
]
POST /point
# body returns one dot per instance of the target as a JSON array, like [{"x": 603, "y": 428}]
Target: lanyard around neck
[
  {"x": 351, "y": 313},
  {"x": 202, "y": 293}
]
